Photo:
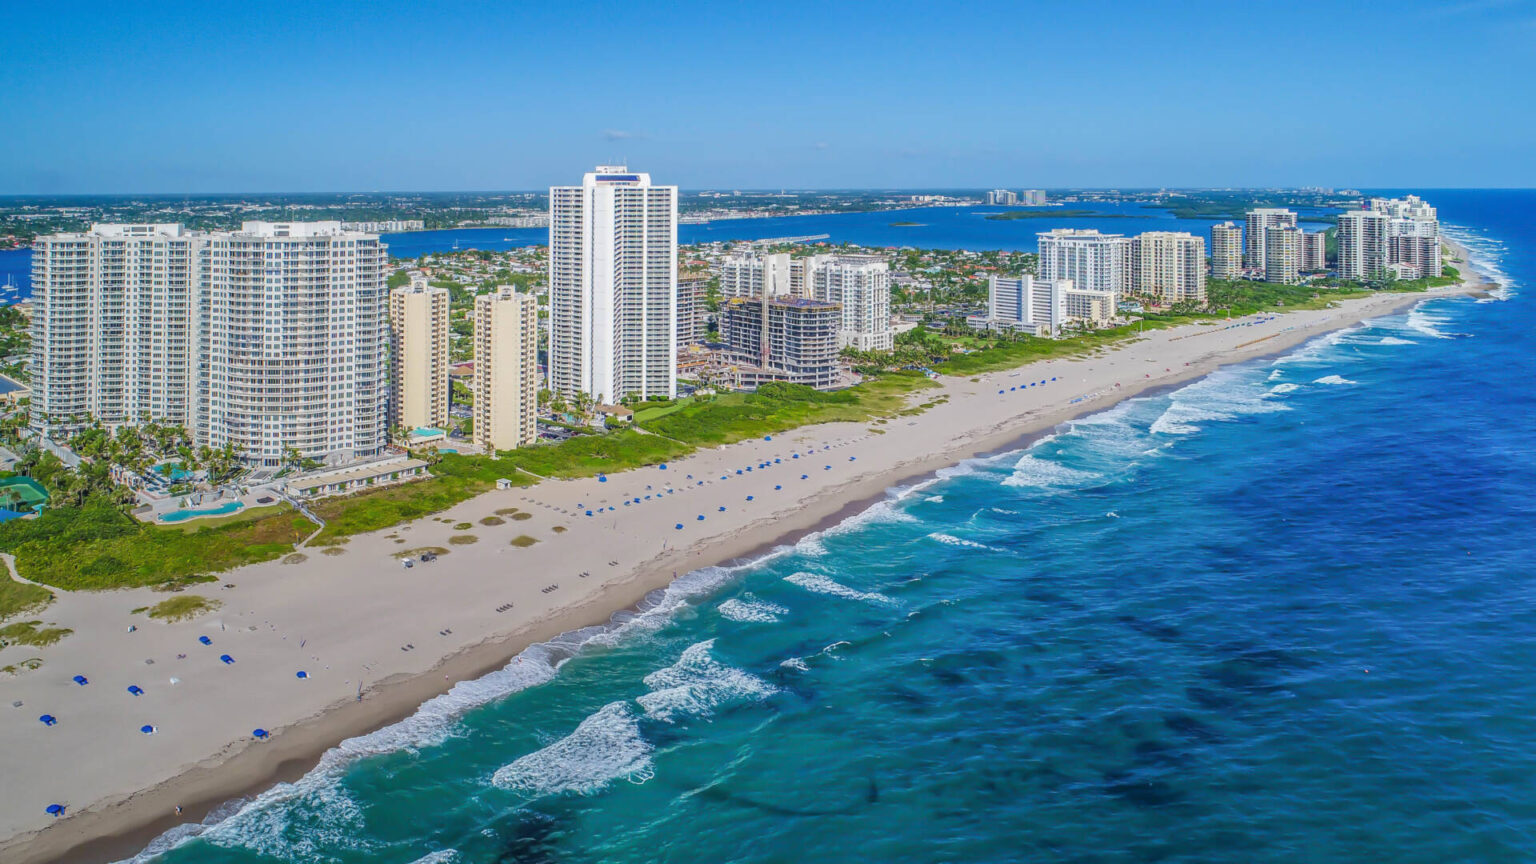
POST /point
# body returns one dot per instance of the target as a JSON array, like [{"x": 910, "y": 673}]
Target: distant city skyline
[{"x": 189, "y": 98}]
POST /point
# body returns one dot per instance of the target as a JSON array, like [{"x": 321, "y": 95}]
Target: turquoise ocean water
[{"x": 1286, "y": 613}]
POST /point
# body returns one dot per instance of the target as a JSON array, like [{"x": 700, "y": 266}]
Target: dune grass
[
  {"x": 462, "y": 539},
  {"x": 181, "y": 608},
  {"x": 31, "y": 633},
  {"x": 17, "y": 598},
  {"x": 523, "y": 541}
]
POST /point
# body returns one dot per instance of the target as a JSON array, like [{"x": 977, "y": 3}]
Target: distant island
[
  {"x": 1053, "y": 213},
  {"x": 908, "y": 224}
]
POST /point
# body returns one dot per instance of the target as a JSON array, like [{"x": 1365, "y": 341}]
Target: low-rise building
[{"x": 1042, "y": 307}]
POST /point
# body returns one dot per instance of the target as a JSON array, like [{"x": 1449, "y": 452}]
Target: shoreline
[{"x": 119, "y": 828}]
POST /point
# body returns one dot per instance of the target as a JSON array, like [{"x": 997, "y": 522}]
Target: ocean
[{"x": 1284, "y": 613}]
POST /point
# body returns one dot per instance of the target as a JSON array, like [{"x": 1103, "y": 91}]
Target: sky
[{"x": 174, "y": 97}]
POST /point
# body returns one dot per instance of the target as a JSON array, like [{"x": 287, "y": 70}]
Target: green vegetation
[
  {"x": 181, "y": 608},
  {"x": 31, "y": 633},
  {"x": 17, "y": 597},
  {"x": 909, "y": 224},
  {"x": 333, "y": 551},
  {"x": 775, "y": 407},
  {"x": 463, "y": 526},
  {"x": 493, "y": 520},
  {"x": 1053, "y": 213},
  {"x": 295, "y": 558},
  {"x": 98, "y": 546},
  {"x": 523, "y": 541},
  {"x": 421, "y": 550},
  {"x": 462, "y": 539},
  {"x": 507, "y": 511},
  {"x": 521, "y": 517},
  {"x": 26, "y": 665}
]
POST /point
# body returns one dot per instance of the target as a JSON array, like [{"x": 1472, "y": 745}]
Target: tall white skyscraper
[
  {"x": 1169, "y": 265},
  {"x": 273, "y": 337},
  {"x": 1259, "y": 221},
  {"x": 613, "y": 286},
  {"x": 1226, "y": 251},
  {"x": 1363, "y": 246},
  {"x": 861, "y": 284},
  {"x": 1002, "y": 197},
  {"x": 1093, "y": 261}
]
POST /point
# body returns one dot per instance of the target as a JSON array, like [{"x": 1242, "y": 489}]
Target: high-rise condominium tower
[
  {"x": 418, "y": 320},
  {"x": 861, "y": 285},
  {"x": 1259, "y": 221},
  {"x": 1093, "y": 261},
  {"x": 752, "y": 275},
  {"x": 1363, "y": 244},
  {"x": 506, "y": 369},
  {"x": 612, "y": 286},
  {"x": 111, "y": 325},
  {"x": 1226, "y": 251},
  {"x": 1169, "y": 265},
  {"x": 272, "y": 338},
  {"x": 292, "y": 340},
  {"x": 1282, "y": 254}
]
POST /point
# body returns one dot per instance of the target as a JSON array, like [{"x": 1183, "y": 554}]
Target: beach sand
[{"x": 377, "y": 640}]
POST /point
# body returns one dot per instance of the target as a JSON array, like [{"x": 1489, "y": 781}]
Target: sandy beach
[{"x": 375, "y": 640}]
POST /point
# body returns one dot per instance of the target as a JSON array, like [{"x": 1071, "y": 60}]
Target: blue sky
[{"x": 333, "y": 96}]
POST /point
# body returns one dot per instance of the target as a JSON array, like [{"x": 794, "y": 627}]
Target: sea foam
[
  {"x": 605, "y": 747},
  {"x": 697, "y": 684}
]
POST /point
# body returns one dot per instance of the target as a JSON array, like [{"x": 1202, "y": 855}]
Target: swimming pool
[{"x": 222, "y": 510}]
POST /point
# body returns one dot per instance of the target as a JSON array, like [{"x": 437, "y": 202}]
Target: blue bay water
[
  {"x": 937, "y": 228},
  {"x": 1285, "y": 613}
]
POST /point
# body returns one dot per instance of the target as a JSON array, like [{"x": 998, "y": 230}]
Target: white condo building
[
  {"x": 753, "y": 275},
  {"x": 861, "y": 284},
  {"x": 1363, "y": 245},
  {"x": 1041, "y": 306},
  {"x": 1034, "y": 197},
  {"x": 293, "y": 345},
  {"x": 1169, "y": 265},
  {"x": 1226, "y": 251},
  {"x": 1260, "y": 221},
  {"x": 272, "y": 337},
  {"x": 1093, "y": 261},
  {"x": 1314, "y": 251},
  {"x": 1002, "y": 197},
  {"x": 612, "y": 286}
]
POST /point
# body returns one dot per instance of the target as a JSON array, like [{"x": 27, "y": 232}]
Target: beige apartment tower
[
  {"x": 1282, "y": 254},
  {"x": 1169, "y": 265},
  {"x": 418, "y": 320},
  {"x": 1227, "y": 251},
  {"x": 506, "y": 369}
]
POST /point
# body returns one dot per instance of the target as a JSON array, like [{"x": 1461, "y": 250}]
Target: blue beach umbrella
[
  {"x": 80, "y": 679},
  {"x": 851, "y": 458},
  {"x": 701, "y": 482},
  {"x": 47, "y": 719},
  {"x": 805, "y": 476},
  {"x": 794, "y": 455},
  {"x": 259, "y": 733},
  {"x": 147, "y": 729},
  {"x": 663, "y": 466},
  {"x": 679, "y": 526},
  {"x": 722, "y": 509},
  {"x": 767, "y": 437},
  {"x": 749, "y": 497},
  {"x": 701, "y": 517},
  {"x": 205, "y": 640},
  {"x": 777, "y": 488},
  {"x": 738, "y": 470},
  {"x": 301, "y": 674},
  {"x": 1053, "y": 379},
  {"x": 602, "y": 479},
  {"x": 134, "y": 689},
  {"x": 227, "y": 659},
  {"x": 55, "y": 810},
  {"x": 589, "y": 512},
  {"x": 637, "y": 500},
  {"x": 999, "y": 392},
  {"x": 829, "y": 467}
]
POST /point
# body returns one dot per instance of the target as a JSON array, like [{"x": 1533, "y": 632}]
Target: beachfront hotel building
[
  {"x": 1282, "y": 254},
  {"x": 418, "y": 323},
  {"x": 506, "y": 380},
  {"x": 861, "y": 286},
  {"x": 271, "y": 337},
  {"x": 753, "y": 275},
  {"x": 1042, "y": 307},
  {"x": 1226, "y": 251},
  {"x": 1169, "y": 265},
  {"x": 1093, "y": 261},
  {"x": 1259, "y": 222},
  {"x": 792, "y": 339},
  {"x": 1363, "y": 245},
  {"x": 291, "y": 331},
  {"x": 613, "y": 287}
]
